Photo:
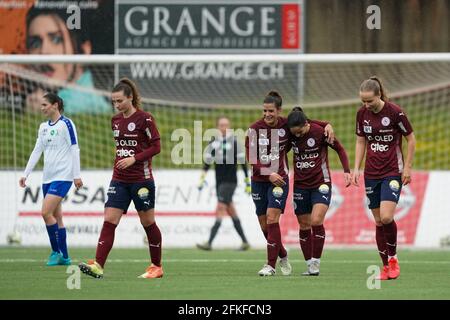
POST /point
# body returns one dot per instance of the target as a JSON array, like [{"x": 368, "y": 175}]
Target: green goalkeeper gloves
[{"x": 248, "y": 187}]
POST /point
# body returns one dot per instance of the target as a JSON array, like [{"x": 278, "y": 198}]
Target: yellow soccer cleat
[{"x": 92, "y": 268}]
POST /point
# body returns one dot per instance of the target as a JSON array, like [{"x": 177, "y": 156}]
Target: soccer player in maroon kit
[
  {"x": 137, "y": 141},
  {"x": 267, "y": 143},
  {"x": 380, "y": 125},
  {"x": 312, "y": 184}
]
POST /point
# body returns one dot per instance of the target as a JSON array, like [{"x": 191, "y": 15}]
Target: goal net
[{"x": 188, "y": 93}]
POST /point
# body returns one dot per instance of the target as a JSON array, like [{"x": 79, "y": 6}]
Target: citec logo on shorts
[
  {"x": 277, "y": 192},
  {"x": 324, "y": 189},
  {"x": 394, "y": 185}
]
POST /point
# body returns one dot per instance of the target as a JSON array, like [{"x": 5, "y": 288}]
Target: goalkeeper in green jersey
[{"x": 226, "y": 153}]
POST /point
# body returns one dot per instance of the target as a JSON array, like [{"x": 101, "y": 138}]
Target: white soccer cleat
[
  {"x": 267, "y": 271},
  {"x": 314, "y": 268},
  {"x": 285, "y": 266}
]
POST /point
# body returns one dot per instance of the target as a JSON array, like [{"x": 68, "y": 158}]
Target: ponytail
[
  {"x": 375, "y": 85},
  {"x": 129, "y": 89},
  {"x": 275, "y": 98}
]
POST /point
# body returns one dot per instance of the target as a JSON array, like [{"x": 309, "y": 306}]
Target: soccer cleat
[
  {"x": 314, "y": 268},
  {"x": 53, "y": 259},
  {"x": 64, "y": 262},
  {"x": 384, "y": 274},
  {"x": 394, "y": 268},
  {"x": 204, "y": 246},
  {"x": 267, "y": 271},
  {"x": 244, "y": 246},
  {"x": 92, "y": 268},
  {"x": 152, "y": 272},
  {"x": 285, "y": 266}
]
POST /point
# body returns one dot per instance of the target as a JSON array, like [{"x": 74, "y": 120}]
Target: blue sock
[
  {"x": 62, "y": 242},
  {"x": 53, "y": 235}
]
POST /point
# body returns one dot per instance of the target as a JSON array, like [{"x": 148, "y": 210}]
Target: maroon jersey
[
  {"x": 383, "y": 132},
  {"x": 135, "y": 136},
  {"x": 267, "y": 148},
  {"x": 311, "y": 168}
]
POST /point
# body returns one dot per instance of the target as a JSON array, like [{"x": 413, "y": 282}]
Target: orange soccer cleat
[
  {"x": 152, "y": 272},
  {"x": 384, "y": 274},
  {"x": 394, "y": 268}
]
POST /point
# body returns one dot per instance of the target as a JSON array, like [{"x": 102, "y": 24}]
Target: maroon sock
[
  {"x": 306, "y": 243},
  {"x": 381, "y": 244},
  {"x": 283, "y": 252},
  {"x": 390, "y": 233},
  {"x": 154, "y": 243},
  {"x": 105, "y": 242},
  {"x": 273, "y": 243},
  {"x": 318, "y": 235}
]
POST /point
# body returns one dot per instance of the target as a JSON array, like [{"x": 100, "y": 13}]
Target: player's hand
[
  {"x": 125, "y": 163},
  {"x": 202, "y": 181},
  {"x": 22, "y": 182},
  {"x": 277, "y": 180},
  {"x": 406, "y": 176},
  {"x": 347, "y": 179},
  {"x": 355, "y": 178},
  {"x": 248, "y": 187},
  {"x": 329, "y": 133},
  {"x": 78, "y": 183}
]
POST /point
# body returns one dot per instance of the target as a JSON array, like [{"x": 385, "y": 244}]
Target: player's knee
[
  {"x": 305, "y": 225},
  {"x": 386, "y": 220}
]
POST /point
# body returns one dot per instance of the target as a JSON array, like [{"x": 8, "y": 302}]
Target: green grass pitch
[{"x": 223, "y": 274}]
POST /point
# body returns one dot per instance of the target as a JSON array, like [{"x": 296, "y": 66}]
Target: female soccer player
[
  {"x": 57, "y": 138},
  {"x": 267, "y": 143},
  {"x": 380, "y": 125},
  {"x": 225, "y": 152},
  {"x": 137, "y": 141},
  {"x": 312, "y": 184}
]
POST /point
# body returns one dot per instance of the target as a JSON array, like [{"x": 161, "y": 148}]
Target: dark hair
[
  {"x": 77, "y": 36},
  {"x": 275, "y": 98},
  {"x": 374, "y": 84},
  {"x": 54, "y": 98},
  {"x": 296, "y": 118},
  {"x": 129, "y": 89}
]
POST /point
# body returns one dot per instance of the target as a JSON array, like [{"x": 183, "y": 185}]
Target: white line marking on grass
[{"x": 230, "y": 260}]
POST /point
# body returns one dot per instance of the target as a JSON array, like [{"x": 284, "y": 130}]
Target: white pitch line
[{"x": 231, "y": 260}]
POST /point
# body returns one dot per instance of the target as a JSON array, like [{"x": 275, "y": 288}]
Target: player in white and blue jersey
[{"x": 57, "y": 138}]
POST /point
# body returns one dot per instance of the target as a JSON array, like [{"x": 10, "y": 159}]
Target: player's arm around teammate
[{"x": 380, "y": 126}]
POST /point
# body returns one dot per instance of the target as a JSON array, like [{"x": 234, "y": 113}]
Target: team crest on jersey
[
  {"x": 281, "y": 132},
  {"x": 311, "y": 142},
  {"x": 385, "y": 121},
  {"x": 53, "y": 132},
  {"x": 131, "y": 126}
]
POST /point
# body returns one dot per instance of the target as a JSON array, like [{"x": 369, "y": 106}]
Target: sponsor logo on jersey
[
  {"x": 124, "y": 153},
  {"x": 305, "y": 164},
  {"x": 131, "y": 126},
  {"x": 385, "y": 121},
  {"x": 270, "y": 157},
  {"x": 378, "y": 147},
  {"x": 126, "y": 143},
  {"x": 309, "y": 156},
  {"x": 311, "y": 142}
]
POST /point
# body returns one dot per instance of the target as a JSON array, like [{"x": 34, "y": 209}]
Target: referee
[{"x": 225, "y": 153}]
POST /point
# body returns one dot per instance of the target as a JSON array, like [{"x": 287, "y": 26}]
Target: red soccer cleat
[
  {"x": 384, "y": 274},
  {"x": 394, "y": 268}
]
